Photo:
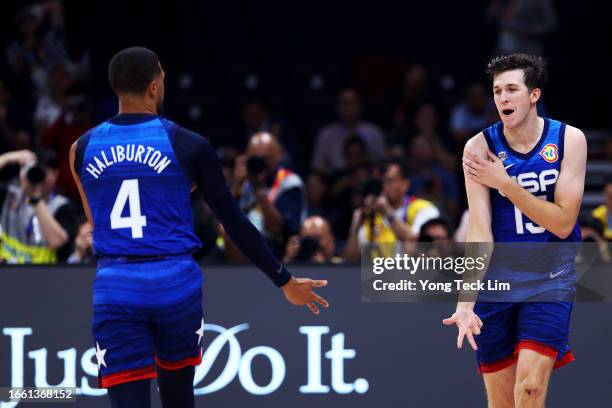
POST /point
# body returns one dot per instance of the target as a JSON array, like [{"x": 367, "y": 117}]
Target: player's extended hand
[
  {"x": 489, "y": 172},
  {"x": 298, "y": 291},
  {"x": 468, "y": 323}
]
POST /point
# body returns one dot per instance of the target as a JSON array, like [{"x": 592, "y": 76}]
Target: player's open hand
[
  {"x": 468, "y": 323},
  {"x": 489, "y": 172},
  {"x": 298, "y": 291}
]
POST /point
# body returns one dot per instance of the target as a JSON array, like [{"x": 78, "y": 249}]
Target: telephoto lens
[{"x": 35, "y": 174}]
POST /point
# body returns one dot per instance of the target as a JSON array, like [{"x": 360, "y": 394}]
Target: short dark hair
[
  {"x": 402, "y": 165},
  {"x": 131, "y": 70},
  {"x": 534, "y": 68},
  {"x": 437, "y": 221}
]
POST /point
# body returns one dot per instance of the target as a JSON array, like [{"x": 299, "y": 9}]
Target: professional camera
[
  {"x": 308, "y": 247},
  {"x": 371, "y": 187},
  {"x": 35, "y": 174},
  {"x": 256, "y": 165}
]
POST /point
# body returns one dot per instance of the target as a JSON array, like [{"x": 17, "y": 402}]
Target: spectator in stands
[
  {"x": 429, "y": 178},
  {"x": 74, "y": 120},
  {"x": 400, "y": 109},
  {"x": 316, "y": 193},
  {"x": 51, "y": 101},
  {"x": 36, "y": 223},
  {"x": 435, "y": 230},
  {"x": 328, "y": 155},
  {"x": 435, "y": 238},
  {"x": 603, "y": 214},
  {"x": 474, "y": 113},
  {"x": 357, "y": 169},
  {"x": 391, "y": 218},
  {"x": 83, "y": 244},
  {"x": 344, "y": 184},
  {"x": 272, "y": 196},
  {"x": 315, "y": 243},
  {"x": 426, "y": 121},
  {"x": 256, "y": 118},
  {"x": 595, "y": 248},
  {"x": 40, "y": 41}
]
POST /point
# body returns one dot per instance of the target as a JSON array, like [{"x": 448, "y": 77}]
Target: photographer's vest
[
  {"x": 379, "y": 231},
  {"x": 602, "y": 214},
  {"x": 284, "y": 181},
  {"x": 21, "y": 239}
]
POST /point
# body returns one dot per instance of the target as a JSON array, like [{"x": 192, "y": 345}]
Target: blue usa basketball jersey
[
  {"x": 138, "y": 193},
  {"x": 533, "y": 266}
]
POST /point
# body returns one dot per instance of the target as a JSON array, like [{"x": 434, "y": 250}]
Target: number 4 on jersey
[{"x": 128, "y": 191}]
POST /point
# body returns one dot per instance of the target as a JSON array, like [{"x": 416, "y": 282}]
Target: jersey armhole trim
[
  {"x": 79, "y": 153},
  {"x": 172, "y": 129},
  {"x": 561, "y": 141},
  {"x": 489, "y": 140}
]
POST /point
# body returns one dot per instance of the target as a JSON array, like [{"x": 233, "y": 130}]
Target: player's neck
[
  {"x": 130, "y": 105},
  {"x": 527, "y": 132}
]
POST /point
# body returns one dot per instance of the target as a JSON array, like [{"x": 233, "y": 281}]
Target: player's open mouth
[{"x": 507, "y": 112}]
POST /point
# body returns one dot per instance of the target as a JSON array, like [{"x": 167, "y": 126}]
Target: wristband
[{"x": 34, "y": 200}]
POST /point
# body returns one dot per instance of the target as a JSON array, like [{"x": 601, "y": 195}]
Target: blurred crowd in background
[{"x": 317, "y": 183}]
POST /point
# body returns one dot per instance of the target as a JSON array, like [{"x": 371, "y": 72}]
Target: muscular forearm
[
  {"x": 556, "y": 219},
  {"x": 55, "y": 235},
  {"x": 479, "y": 241}
]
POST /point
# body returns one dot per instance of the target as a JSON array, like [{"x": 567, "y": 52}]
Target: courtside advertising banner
[{"x": 260, "y": 351}]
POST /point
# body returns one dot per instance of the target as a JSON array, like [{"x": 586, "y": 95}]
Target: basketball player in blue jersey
[
  {"x": 524, "y": 182},
  {"x": 135, "y": 173}
]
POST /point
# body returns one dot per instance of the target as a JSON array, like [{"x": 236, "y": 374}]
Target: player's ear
[
  {"x": 535, "y": 95},
  {"x": 152, "y": 88}
]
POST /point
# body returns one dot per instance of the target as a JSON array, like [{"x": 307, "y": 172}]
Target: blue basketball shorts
[
  {"x": 146, "y": 314},
  {"x": 509, "y": 327}
]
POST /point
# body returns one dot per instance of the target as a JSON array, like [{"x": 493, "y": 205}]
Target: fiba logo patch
[
  {"x": 549, "y": 153},
  {"x": 502, "y": 155}
]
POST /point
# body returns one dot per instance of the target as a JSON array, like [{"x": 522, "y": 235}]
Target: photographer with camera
[
  {"x": 272, "y": 197},
  {"x": 315, "y": 243},
  {"x": 35, "y": 223},
  {"x": 388, "y": 217}
]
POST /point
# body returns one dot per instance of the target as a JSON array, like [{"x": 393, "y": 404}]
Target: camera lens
[
  {"x": 35, "y": 174},
  {"x": 308, "y": 247},
  {"x": 256, "y": 165}
]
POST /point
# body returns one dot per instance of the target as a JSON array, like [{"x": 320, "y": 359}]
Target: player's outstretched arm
[
  {"x": 479, "y": 231},
  {"x": 558, "y": 217},
  {"x": 205, "y": 170}
]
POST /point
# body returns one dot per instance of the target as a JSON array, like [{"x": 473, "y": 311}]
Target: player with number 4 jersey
[{"x": 135, "y": 173}]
